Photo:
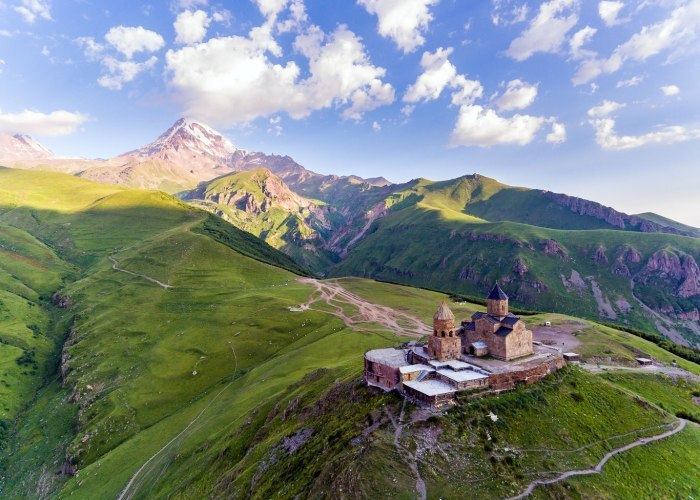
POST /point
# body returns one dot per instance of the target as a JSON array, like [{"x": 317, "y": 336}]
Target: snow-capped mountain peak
[
  {"x": 22, "y": 147},
  {"x": 188, "y": 138}
]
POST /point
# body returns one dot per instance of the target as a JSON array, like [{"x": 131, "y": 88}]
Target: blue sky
[{"x": 594, "y": 99}]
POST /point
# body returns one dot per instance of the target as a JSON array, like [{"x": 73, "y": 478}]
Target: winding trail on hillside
[
  {"x": 134, "y": 484},
  {"x": 367, "y": 312},
  {"x": 599, "y": 466},
  {"x": 671, "y": 371},
  {"x": 411, "y": 459},
  {"x": 115, "y": 266}
]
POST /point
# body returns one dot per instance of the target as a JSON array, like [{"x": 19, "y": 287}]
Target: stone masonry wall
[{"x": 505, "y": 381}]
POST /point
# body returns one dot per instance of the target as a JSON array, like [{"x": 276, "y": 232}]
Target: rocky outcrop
[
  {"x": 677, "y": 268},
  {"x": 68, "y": 468},
  {"x": 551, "y": 247},
  {"x": 61, "y": 301},
  {"x": 468, "y": 274},
  {"x": 625, "y": 255},
  {"x": 628, "y": 254},
  {"x": 691, "y": 278},
  {"x": 600, "y": 256},
  {"x": 520, "y": 268},
  {"x": 611, "y": 216}
]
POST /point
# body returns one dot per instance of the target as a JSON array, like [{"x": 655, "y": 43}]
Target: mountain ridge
[{"x": 460, "y": 233}]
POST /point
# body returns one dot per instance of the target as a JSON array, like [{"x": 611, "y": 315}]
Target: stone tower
[
  {"x": 444, "y": 344},
  {"x": 497, "y": 302}
]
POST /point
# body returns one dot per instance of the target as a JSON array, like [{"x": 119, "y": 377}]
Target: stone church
[{"x": 496, "y": 332}]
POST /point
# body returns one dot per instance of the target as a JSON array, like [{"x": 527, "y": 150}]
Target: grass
[
  {"x": 217, "y": 371},
  {"x": 435, "y": 242},
  {"x": 674, "y": 462},
  {"x": 672, "y": 394}
]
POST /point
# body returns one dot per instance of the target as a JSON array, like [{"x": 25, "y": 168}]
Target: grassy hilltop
[{"x": 162, "y": 353}]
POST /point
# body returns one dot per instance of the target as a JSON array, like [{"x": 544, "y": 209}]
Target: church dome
[{"x": 443, "y": 313}]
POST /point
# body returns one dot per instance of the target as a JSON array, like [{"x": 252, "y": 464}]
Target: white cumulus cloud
[
  {"x": 670, "y": 90},
  {"x": 271, "y": 8},
  {"x": 404, "y": 21},
  {"x": 674, "y": 33},
  {"x": 439, "y": 73},
  {"x": 191, "y": 27},
  {"x": 604, "y": 109},
  {"x": 130, "y": 40},
  {"x": 36, "y": 123},
  {"x": 31, "y": 9},
  {"x": 232, "y": 79},
  {"x": 116, "y": 56},
  {"x": 118, "y": 73},
  {"x": 479, "y": 126},
  {"x": 609, "y": 10},
  {"x": 630, "y": 82},
  {"x": 557, "y": 135},
  {"x": 518, "y": 95},
  {"x": 508, "y": 12},
  {"x": 547, "y": 31},
  {"x": 607, "y": 138},
  {"x": 578, "y": 40}
]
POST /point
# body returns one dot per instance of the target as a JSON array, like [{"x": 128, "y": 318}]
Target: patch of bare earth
[
  {"x": 332, "y": 294},
  {"x": 559, "y": 336}
]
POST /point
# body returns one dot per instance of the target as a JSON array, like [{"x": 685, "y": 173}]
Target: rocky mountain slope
[
  {"x": 171, "y": 358},
  {"x": 560, "y": 252},
  {"x": 22, "y": 147},
  {"x": 555, "y": 251}
]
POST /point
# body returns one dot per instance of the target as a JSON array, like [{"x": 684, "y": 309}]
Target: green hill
[
  {"x": 443, "y": 236},
  {"x": 259, "y": 203},
  {"x": 552, "y": 251},
  {"x": 665, "y": 221},
  {"x": 173, "y": 360}
]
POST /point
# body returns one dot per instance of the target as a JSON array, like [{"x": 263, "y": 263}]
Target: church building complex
[{"x": 494, "y": 351}]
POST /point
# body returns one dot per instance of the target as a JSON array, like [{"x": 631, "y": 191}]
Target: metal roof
[{"x": 497, "y": 293}]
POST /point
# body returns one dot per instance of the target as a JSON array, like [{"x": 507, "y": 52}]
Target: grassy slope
[
  {"x": 283, "y": 229},
  {"x": 262, "y": 372},
  {"x": 461, "y": 235},
  {"x": 441, "y": 248},
  {"x": 674, "y": 462},
  {"x": 665, "y": 221},
  {"x": 29, "y": 272}
]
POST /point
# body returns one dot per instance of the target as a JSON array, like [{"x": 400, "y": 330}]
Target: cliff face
[
  {"x": 679, "y": 268},
  {"x": 611, "y": 216}
]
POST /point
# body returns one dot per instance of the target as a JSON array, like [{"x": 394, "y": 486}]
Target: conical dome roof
[
  {"x": 497, "y": 293},
  {"x": 443, "y": 313}
]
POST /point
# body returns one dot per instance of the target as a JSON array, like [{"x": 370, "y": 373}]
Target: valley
[
  {"x": 555, "y": 252},
  {"x": 152, "y": 349}
]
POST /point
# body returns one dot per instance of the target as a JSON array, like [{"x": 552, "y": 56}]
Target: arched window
[{"x": 443, "y": 333}]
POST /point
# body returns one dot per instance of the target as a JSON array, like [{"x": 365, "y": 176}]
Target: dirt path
[
  {"x": 115, "y": 266},
  {"x": 672, "y": 371},
  {"x": 411, "y": 459},
  {"x": 599, "y": 466},
  {"x": 332, "y": 293},
  {"x": 135, "y": 483},
  {"x": 589, "y": 445}
]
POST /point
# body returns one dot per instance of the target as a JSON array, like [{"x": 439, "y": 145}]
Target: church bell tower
[
  {"x": 444, "y": 344},
  {"x": 497, "y": 302}
]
